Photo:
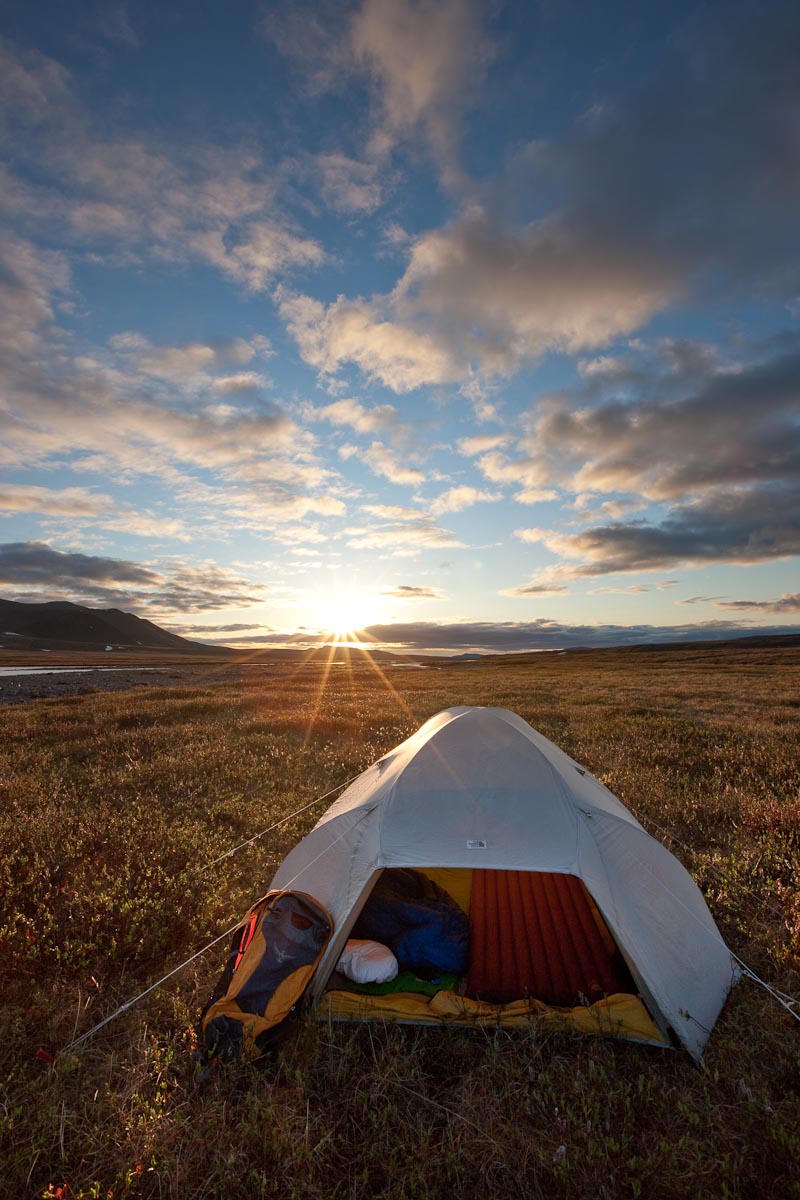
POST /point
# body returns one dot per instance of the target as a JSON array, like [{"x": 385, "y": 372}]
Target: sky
[{"x": 437, "y": 324}]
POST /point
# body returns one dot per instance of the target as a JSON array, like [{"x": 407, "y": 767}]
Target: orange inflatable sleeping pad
[{"x": 534, "y": 934}]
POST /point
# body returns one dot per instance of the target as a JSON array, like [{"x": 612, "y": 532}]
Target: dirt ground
[{"x": 20, "y": 689}]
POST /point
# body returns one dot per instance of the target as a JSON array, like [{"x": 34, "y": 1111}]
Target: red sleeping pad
[{"x": 536, "y": 934}]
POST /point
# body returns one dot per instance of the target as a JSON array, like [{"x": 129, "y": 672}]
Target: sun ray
[
  {"x": 323, "y": 683},
  {"x": 364, "y": 648}
]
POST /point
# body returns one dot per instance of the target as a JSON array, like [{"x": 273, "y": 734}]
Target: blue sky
[{"x": 473, "y": 326}]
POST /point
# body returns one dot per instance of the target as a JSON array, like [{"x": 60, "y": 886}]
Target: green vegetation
[{"x": 113, "y": 804}]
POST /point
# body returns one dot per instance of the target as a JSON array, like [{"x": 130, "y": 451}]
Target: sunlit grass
[{"x": 113, "y": 804}]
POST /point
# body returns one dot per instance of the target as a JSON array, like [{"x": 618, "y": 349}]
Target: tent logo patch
[{"x": 477, "y": 844}]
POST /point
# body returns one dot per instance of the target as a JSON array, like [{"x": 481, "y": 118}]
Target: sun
[{"x": 344, "y": 614}]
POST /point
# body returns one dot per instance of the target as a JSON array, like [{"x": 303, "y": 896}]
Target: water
[{"x": 6, "y": 672}]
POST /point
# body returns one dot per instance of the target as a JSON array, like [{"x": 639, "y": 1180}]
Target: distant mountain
[{"x": 60, "y": 625}]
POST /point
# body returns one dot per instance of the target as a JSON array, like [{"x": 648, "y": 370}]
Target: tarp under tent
[{"x": 479, "y": 845}]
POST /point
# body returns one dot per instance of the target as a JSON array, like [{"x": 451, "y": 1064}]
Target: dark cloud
[
  {"x": 782, "y": 604},
  {"x": 713, "y": 439},
  {"x": 26, "y": 563},
  {"x": 543, "y": 634},
  {"x": 699, "y": 164},
  {"x": 34, "y": 572},
  {"x": 717, "y": 423},
  {"x": 536, "y": 589},
  {"x": 300, "y": 639},
  {"x": 405, "y": 591},
  {"x": 750, "y": 526},
  {"x": 213, "y": 628}
]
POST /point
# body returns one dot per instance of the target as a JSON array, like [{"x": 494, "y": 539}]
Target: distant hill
[{"x": 60, "y": 625}]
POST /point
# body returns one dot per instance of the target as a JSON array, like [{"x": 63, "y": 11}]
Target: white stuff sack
[{"x": 364, "y": 961}]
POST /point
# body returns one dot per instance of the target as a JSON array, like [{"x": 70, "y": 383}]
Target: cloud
[
  {"x": 533, "y": 535},
  {"x": 425, "y": 59},
  {"x": 241, "y": 384},
  {"x": 392, "y": 512},
  {"x": 145, "y": 524},
  {"x": 128, "y": 423},
  {"x": 191, "y": 361},
  {"x": 263, "y": 249},
  {"x": 536, "y": 589},
  {"x": 710, "y": 439},
  {"x": 199, "y": 588},
  {"x": 502, "y": 295},
  {"x": 33, "y": 87},
  {"x": 347, "y": 185},
  {"x": 80, "y": 502},
  {"x": 357, "y": 331},
  {"x": 533, "y": 474},
  {"x": 481, "y": 442},
  {"x": 300, "y": 535},
  {"x": 382, "y": 418},
  {"x": 235, "y": 628},
  {"x": 787, "y": 603},
  {"x": 721, "y": 424},
  {"x": 545, "y": 634},
  {"x": 58, "y": 502},
  {"x": 419, "y": 532},
  {"x": 751, "y": 526},
  {"x": 133, "y": 195},
  {"x": 113, "y": 22},
  {"x": 456, "y": 499},
  {"x": 404, "y": 591},
  {"x": 585, "y": 237},
  {"x": 635, "y": 589},
  {"x": 383, "y": 461},
  {"x": 37, "y": 563},
  {"x": 35, "y": 571}
]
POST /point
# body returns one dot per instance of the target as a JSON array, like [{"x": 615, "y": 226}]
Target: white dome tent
[{"x": 477, "y": 799}]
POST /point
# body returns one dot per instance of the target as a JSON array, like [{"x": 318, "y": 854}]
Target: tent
[{"x": 575, "y": 914}]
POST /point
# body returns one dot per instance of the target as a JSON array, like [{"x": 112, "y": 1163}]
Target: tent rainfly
[{"x": 570, "y": 911}]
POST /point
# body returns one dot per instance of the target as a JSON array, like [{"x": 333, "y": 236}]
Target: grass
[{"x": 112, "y": 804}]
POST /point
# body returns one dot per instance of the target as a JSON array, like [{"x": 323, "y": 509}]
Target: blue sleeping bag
[{"x": 420, "y": 923}]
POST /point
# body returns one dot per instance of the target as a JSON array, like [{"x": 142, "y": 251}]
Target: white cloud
[
  {"x": 139, "y": 195},
  {"x": 241, "y": 382},
  {"x": 533, "y": 535},
  {"x": 347, "y": 185},
  {"x": 189, "y": 366},
  {"x": 383, "y": 461},
  {"x": 532, "y": 473},
  {"x": 481, "y": 443},
  {"x": 392, "y": 512},
  {"x": 383, "y": 418},
  {"x": 513, "y": 293},
  {"x": 417, "y": 532},
  {"x": 425, "y": 58},
  {"x": 456, "y": 499},
  {"x": 354, "y": 331},
  {"x": 58, "y": 502}
]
